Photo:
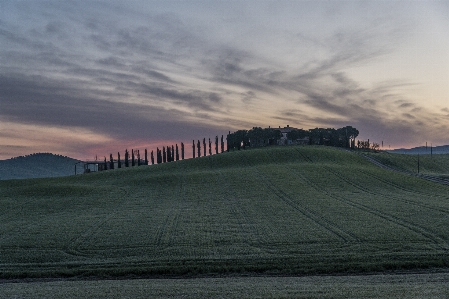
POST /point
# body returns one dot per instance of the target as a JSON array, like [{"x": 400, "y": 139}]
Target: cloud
[
  {"x": 121, "y": 69},
  {"x": 39, "y": 100}
]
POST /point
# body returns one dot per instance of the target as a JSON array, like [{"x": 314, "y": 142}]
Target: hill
[
  {"x": 279, "y": 211},
  {"x": 422, "y": 150},
  {"x": 40, "y": 165},
  {"x": 435, "y": 165}
]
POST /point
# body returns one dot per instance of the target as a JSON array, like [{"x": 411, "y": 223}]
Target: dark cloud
[
  {"x": 111, "y": 61},
  {"x": 39, "y": 100},
  {"x": 406, "y": 105},
  {"x": 156, "y": 75}
]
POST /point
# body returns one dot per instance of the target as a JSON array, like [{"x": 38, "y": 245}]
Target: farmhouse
[{"x": 284, "y": 140}]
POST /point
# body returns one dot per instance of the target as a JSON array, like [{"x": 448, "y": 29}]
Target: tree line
[
  {"x": 164, "y": 155},
  {"x": 258, "y": 137},
  {"x": 197, "y": 148}
]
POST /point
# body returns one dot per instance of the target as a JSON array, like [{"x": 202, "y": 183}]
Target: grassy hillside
[
  {"x": 434, "y": 165},
  {"x": 41, "y": 165},
  {"x": 284, "y": 210}
]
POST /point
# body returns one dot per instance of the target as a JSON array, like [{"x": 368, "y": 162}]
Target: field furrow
[
  {"x": 387, "y": 213},
  {"x": 326, "y": 224}
]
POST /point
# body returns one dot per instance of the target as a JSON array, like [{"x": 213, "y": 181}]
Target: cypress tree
[
  {"x": 199, "y": 148},
  {"x": 146, "y": 157},
  {"x": 168, "y": 154},
  {"x": 105, "y": 164},
  {"x": 182, "y": 150},
  {"x": 126, "y": 158},
  {"x": 119, "y": 163},
  {"x": 164, "y": 155},
  {"x": 133, "y": 162},
  {"x": 172, "y": 153},
  {"x": 210, "y": 148},
  {"x": 111, "y": 159},
  {"x": 177, "y": 153},
  {"x": 216, "y": 144},
  {"x": 193, "y": 146},
  {"x": 138, "y": 157},
  {"x": 152, "y": 158},
  {"x": 222, "y": 144},
  {"x": 204, "y": 146}
]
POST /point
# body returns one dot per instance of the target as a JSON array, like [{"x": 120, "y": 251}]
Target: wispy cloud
[{"x": 158, "y": 71}]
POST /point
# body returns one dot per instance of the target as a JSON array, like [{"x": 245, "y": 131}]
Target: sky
[{"x": 90, "y": 78}]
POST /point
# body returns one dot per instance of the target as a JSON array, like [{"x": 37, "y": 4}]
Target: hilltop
[
  {"x": 272, "y": 211},
  {"x": 38, "y": 165}
]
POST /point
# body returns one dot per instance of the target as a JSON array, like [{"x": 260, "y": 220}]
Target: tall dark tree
[
  {"x": 172, "y": 153},
  {"x": 146, "y": 157},
  {"x": 168, "y": 154},
  {"x": 138, "y": 158},
  {"x": 119, "y": 162},
  {"x": 193, "y": 147},
  {"x": 177, "y": 152},
  {"x": 222, "y": 144},
  {"x": 133, "y": 159},
  {"x": 152, "y": 158},
  {"x": 159, "y": 156},
  {"x": 199, "y": 148},
  {"x": 111, "y": 160},
  {"x": 210, "y": 148},
  {"x": 182, "y": 151},
  {"x": 164, "y": 155},
  {"x": 126, "y": 158},
  {"x": 105, "y": 164},
  {"x": 204, "y": 147},
  {"x": 216, "y": 145}
]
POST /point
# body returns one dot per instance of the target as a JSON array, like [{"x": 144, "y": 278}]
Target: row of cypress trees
[
  {"x": 198, "y": 147},
  {"x": 166, "y": 154},
  {"x": 136, "y": 160}
]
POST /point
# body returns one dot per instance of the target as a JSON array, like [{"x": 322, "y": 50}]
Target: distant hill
[
  {"x": 422, "y": 150},
  {"x": 39, "y": 165}
]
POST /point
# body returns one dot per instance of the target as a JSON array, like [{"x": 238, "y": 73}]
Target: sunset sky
[{"x": 87, "y": 78}]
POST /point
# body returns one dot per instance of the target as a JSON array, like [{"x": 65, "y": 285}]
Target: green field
[
  {"x": 276, "y": 211},
  {"x": 406, "y": 286},
  {"x": 437, "y": 165}
]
